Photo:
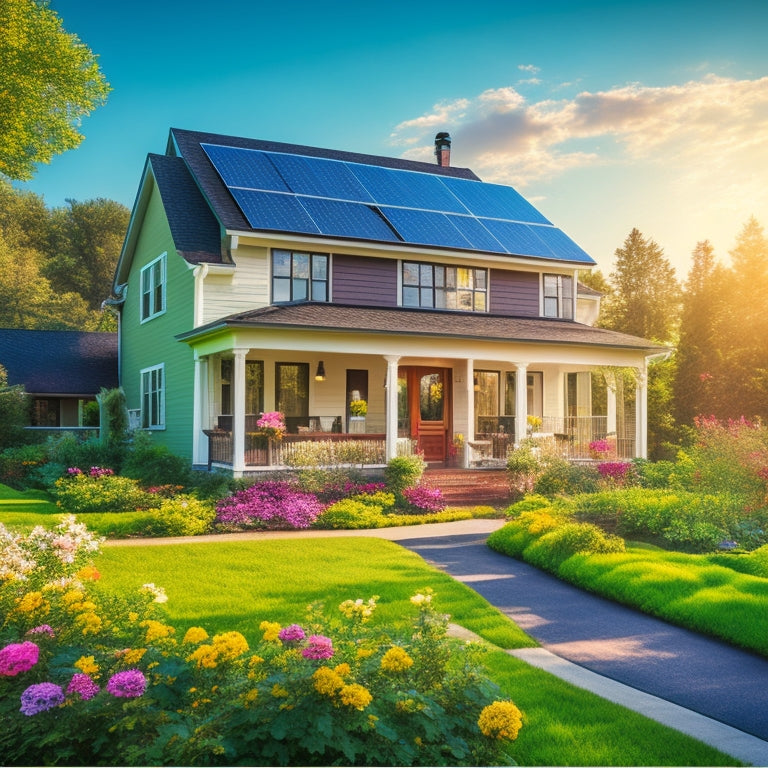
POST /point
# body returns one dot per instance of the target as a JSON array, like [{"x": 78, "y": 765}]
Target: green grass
[{"x": 235, "y": 585}]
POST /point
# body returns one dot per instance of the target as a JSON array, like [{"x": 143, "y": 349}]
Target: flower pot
[{"x": 357, "y": 424}]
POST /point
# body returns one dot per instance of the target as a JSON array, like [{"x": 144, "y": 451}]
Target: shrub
[
  {"x": 273, "y": 504},
  {"x": 70, "y": 451},
  {"x": 182, "y": 515},
  {"x": 97, "y": 491},
  {"x": 561, "y": 478},
  {"x": 107, "y": 681},
  {"x": 14, "y": 412},
  {"x": 524, "y": 466},
  {"x": 616, "y": 473},
  {"x": 16, "y": 464},
  {"x": 353, "y": 513},
  {"x": 404, "y": 472},
  {"x": 528, "y": 504},
  {"x": 568, "y": 539},
  {"x": 155, "y": 464},
  {"x": 422, "y": 499}
]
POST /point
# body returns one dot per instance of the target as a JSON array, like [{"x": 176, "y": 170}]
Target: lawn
[{"x": 236, "y": 585}]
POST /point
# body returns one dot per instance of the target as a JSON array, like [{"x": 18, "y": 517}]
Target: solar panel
[
  {"x": 274, "y": 211},
  {"x": 518, "y": 239},
  {"x": 406, "y": 189},
  {"x": 477, "y": 235},
  {"x": 244, "y": 168},
  {"x": 319, "y": 177},
  {"x": 342, "y": 219},
  {"x": 493, "y": 201},
  {"x": 425, "y": 228},
  {"x": 561, "y": 246}
]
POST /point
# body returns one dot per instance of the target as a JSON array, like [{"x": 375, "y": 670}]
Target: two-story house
[{"x": 260, "y": 276}]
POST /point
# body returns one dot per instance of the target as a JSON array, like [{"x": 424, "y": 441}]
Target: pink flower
[
  {"x": 291, "y": 634},
  {"x": 128, "y": 685},
  {"x": 320, "y": 647},
  {"x": 82, "y": 685},
  {"x": 43, "y": 629},
  {"x": 18, "y": 657}
]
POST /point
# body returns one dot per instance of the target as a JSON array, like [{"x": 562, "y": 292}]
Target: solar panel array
[{"x": 299, "y": 194}]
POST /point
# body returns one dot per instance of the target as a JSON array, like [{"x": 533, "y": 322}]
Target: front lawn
[{"x": 235, "y": 585}]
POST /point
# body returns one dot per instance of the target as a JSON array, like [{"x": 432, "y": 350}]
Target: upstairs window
[
  {"x": 439, "y": 287},
  {"x": 298, "y": 276},
  {"x": 558, "y": 296},
  {"x": 153, "y": 278}
]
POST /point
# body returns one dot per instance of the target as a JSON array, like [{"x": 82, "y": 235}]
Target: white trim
[
  {"x": 160, "y": 390},
  {"x": 162, "y": 259}
]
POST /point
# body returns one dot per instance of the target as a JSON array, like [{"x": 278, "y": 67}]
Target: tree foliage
[
  {"x": 14, "y": 407},
  {"x": 50, "y": 81}
]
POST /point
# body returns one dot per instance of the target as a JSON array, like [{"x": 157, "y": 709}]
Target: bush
[
  {"x": 99, "y": 491},
  {"x": 353, "y": 513},
  {"x": 422, "y": 499},
  {"x": 404, "y": 472},
  {"x": 106, "y": 680},
  {"x": 568, "y": 539},
  {"x": 155, "y": 465},
  {"x": 561, "y": 478},
  {"x": 272, "y": 505},
  {"x": 182, "y": 515},
  {"x": 14, "y": 412},
  {"x": 16, "y": 464},
  {"x": 70, "y": 451},
  {"x": 524, "y": 467}
]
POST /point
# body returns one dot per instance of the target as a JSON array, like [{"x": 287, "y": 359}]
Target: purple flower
[
  {"x": 40, "y": 697},
  {"x": 291, "y": 634},
  {"x": 425, "y": 499},
  {"x": 320, "y": 647},
  {"x": 271, "y": 504},
  {"x": 43, "y": 629},
  {"x": 18, "y": 657},
  {"x": 128, "y": 685},
  {"x": 82, "y": 685}
]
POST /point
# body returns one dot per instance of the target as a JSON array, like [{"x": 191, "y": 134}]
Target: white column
[
  {"x": 521, "y": 401},
  {"x": 470, "y": 436},
  {"x": 610, "y": 394},
  {"x": 641, "y": 413},
  {"x": 200, "y": 411},
  {"x": 238, "y": 412},
  {"x": 391, "y": 409}
]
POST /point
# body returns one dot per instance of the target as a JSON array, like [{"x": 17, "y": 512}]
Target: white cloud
[{"x": 532, "y": 68}]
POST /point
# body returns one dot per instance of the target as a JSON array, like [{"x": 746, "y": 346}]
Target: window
[
  {"x": 254, "y": 386},
  {"x": 299, "y": 276},
  {"x": 558, "y": 296},
  {"x": 292, "y": 393},
  {"x": 486, "y": 385},
  {"x": 440, "y": 287},
  {"x": 153, "y": 397},
  {"x": 153, "y": 289}
]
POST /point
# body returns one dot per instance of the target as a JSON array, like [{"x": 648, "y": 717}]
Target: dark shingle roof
[
  {"x": 59, "y": 362},
  {"x": 416, "y": 322}
]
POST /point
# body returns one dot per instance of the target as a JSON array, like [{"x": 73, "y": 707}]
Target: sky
[{"x": 607, "y": 116}]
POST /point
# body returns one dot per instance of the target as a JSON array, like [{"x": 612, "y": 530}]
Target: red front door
[{"x": 429, "y": 399}]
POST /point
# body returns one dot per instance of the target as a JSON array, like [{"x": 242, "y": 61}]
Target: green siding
[{"x": 152, "y": 343}]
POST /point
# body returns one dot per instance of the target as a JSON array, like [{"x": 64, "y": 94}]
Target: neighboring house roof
[
  {"x": 406, "y": 321},
  {"x": 56, "y": 363}
]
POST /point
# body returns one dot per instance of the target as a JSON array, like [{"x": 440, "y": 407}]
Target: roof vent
[{"x": 443, "y": 149}]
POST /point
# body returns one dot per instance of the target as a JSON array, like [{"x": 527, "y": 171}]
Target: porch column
[
  {"x": 610, "y": 395},
  {"x": 391, "y": 409},
  {"x": 238, "y": 412},
  {"x": 200, "y": 411},
  {"x": 470, "y": 437},
  {"x": 521, "y": 401},
  {"x": 641, "y": 413}
]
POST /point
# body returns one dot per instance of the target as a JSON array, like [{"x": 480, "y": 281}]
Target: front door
[{"x": 428, "y": 395}]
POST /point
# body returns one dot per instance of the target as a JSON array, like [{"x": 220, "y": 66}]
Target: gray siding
[
  {"x": 364, "y": 281},
  {"x": 514, "y": 293}
]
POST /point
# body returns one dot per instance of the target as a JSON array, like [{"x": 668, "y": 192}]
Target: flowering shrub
[
  {"x": 272, "y": 424},
  {"x": 357, "y": 512},
  {"x": 617, "y": 472},
  {"x": 120, "y": 688},
  {"x": 269, "y": 505},
  {"x": 423, "y": 499},
  {"x": 182, "y": 515},
  {"x": 98, "y": 490}
]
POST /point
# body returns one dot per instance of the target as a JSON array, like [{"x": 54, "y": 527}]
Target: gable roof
[
  {"x": 320, "y": 316},
  {"x": 74, "y": 363}
]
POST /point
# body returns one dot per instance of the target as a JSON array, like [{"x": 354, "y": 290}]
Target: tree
[
  {"x": 698, "y": 359},
  {"x": 14, "y": 412},
  {"x": 645, "y": 296},
  {"x": 50, "y": 81}
]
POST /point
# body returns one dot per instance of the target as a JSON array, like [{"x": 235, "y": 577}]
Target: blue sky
[{"x": 607, "y": 116}]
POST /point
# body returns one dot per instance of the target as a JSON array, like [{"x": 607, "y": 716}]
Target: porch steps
[{"x": 470, "y": 487}]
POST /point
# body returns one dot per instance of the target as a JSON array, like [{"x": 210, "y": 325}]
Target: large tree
[
  {"x": 49, "y": 80},
  {"x": 645, "y": 293}
]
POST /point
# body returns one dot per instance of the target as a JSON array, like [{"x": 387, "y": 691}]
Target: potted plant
[{"x": 358, "y": 409}]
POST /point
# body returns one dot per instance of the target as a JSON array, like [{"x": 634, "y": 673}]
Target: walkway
[{"x": 707, "y": 689}]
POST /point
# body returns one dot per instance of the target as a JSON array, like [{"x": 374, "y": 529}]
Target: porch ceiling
[{"x": 422, "y": 323}]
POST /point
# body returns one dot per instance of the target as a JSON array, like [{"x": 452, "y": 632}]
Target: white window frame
[
  {"x": 153, "y": 386},
  {"x": 148, "y": 286},
  {"x": 563, "y": 305}
]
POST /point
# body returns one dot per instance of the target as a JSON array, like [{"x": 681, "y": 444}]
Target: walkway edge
[{"x": 732, "y": 741}]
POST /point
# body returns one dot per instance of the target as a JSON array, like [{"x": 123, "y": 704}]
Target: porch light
[{"x": 320, "y": 373}]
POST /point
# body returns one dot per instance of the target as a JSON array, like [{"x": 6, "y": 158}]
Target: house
[
  {"x": 61, "y": 371},
  {"x": 260, "y": 276}
]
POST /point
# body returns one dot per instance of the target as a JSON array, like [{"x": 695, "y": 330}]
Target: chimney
[{"x": 443, "y": 149}]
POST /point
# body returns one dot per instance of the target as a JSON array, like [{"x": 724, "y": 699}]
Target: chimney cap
[{"x": 443, "y": 138}]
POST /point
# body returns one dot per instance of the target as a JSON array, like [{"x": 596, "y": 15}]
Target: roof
[
  {"x": 418, "y": 322},
  {"x": 259, "y": 186},
  {"x": 59, "y": 362}
]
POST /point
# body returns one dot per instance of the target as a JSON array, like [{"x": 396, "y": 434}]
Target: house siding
[
  {"x": 247, "y": 287},
  {"x": 364, "y": 281},
  {"x": 514, "y": 293},
  {"x": 152, "y": 343}
]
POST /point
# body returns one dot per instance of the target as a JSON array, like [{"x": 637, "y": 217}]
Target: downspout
[{"x": 113, "y": 304}]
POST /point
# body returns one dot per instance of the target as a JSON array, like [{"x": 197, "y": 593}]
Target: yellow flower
[
  {"x": 230, "y": 645},
  {"x": 156, "y": 630},
  {"x": 271, "y": 630},
  {"x": 327, "y": 681},
  {"x": 88, "y": 573},
  {"x": 134, "y": 656},
  {"x": 31, "y": 602},
  {"x": 500, "y": 720},
  {"x": 87, "y": 665},
  {"x": 195, "y": 636},
  {"x": 133, "y": 616},
  {"x": 255, "y": 660},
  {"x": 343, "y": 669},
  {"x": 409, "y": 705},
  {"x": 250, "y": 696},
  {"x": 91, "y": 623},
  {"x": 72, "y": 597},
  {"x": 396, "y": 660},
  {"x": 356, "y": 696},
  {"x": 204, "y": 656},
  {"x": 364, "y": 653},
  {"x": 279, "y": 692}
]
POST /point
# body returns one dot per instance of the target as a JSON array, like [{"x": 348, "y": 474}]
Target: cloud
[{"x": 701, "y": 128}]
